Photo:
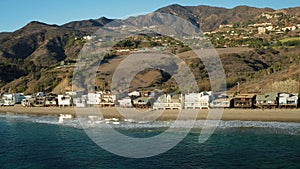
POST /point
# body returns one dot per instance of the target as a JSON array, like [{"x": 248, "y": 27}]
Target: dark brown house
[{"x": 244, "y": 101}]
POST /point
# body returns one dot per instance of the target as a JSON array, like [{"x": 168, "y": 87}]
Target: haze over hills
[
  {"x": 29, "y": 57},
  {"x": 209, "y": 18}
]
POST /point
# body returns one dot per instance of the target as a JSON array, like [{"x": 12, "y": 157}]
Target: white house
[
  {"x": 28, "y": 101},
  {"x": 93, "y": 98},
  {"x": 290, "y": 28},
  {"x": 288, "y": 100},
  {"x": 261, "y": 30},
  {"x": 8, "y": 100},
  {"x": 198, "y": 100},
  {"x": 11, "y": 99},
  {"x": 192, "y": 101},
  {"x": 64, "y": 100},
  {"x": 168, "y": 102},
  {"x": 125, "y": 102},
  {"x": 79, "y": 102},
  {"x": 222, "y": 103},
  {"x": 107, "y": 99},
  {"x": 134, "y": 94}
]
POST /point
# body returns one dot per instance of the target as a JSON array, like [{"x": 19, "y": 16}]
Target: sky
[{"x": 15, "y": 14}]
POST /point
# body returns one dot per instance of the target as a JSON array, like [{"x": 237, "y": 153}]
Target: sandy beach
[{"x": 279, "y": 115}]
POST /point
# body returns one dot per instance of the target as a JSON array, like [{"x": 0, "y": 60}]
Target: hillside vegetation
[{"x": 41, "y": 57}]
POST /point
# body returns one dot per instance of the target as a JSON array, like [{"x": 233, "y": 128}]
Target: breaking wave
[{"x": 97, "y": 122}]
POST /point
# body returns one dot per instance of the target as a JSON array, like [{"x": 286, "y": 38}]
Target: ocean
[{"x": 41, "y": 142}]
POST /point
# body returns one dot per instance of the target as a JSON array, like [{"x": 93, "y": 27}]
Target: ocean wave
[{"x": 94, "y": 122}]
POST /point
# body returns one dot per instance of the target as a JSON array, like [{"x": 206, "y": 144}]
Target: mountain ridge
[{"x": 39, "y": 46}]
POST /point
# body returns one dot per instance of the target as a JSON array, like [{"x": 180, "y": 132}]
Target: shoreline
[{"x": 271, "y": 115}]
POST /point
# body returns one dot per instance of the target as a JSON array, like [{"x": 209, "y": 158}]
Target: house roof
[
  {"x": 287, "y": 95},
  {"x": 175, "y": 96},
  {"x": 144, "y": 99},
  {"x": 245, "y": 96},
  {"x": 222, "y": 99},
  {"x": 267, "y": 96}
]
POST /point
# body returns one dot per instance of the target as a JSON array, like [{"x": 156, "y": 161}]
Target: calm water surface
[{"x": 40, "y": 142}]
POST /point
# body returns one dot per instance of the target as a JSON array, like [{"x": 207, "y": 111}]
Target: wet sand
[{"x": 279, "y": 115}]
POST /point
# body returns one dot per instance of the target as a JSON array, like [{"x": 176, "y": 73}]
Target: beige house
[{"x": 169, "y": 101}]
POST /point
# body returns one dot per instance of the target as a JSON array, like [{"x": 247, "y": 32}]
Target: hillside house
[
  {"x": 267, "y": 100},
  {"x": 261, "y": 30},
  {"x": 244, "y": 101},
  {"x": 226, "y": 26},
  {"x": 134, "y": 94},
  {"x": 288, "y": 100},
  {"x": 290, "y": 28}
]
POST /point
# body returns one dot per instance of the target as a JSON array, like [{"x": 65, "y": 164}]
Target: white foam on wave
[
  {"x": 88, "y": 122},
  {"x": 12, "y": 116}
]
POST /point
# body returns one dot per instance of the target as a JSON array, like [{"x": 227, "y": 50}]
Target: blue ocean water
[{"x": 41, "y": 142}]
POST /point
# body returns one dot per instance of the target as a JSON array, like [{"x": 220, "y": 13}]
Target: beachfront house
[
  {"x": 39, "y": 100},
  {"x": 222, "y": 103},
  {"x": 125, "y": 102},
  {"x": 80, "y": 101},
  {"x": 50, "y": 101},
  {"x": 191, "y": 101},
  {"x": 198, "y": 100},
  {"x": 142, "y": 102},
  {"x": 107, "y": 99},
  {"x": 205, "y": 99},
  {"x": 169, "y": 101},
  {"x": 12, "y": 99},
  {"x": 18, "y": 97},
  {"x": 267, "y": 100},
  {"x": 244, "y": 101},
  {"x": 8, "y": 100},
  {"x": 28, "y": 101},
  {"x": 64, "y": 100},
  {"x": 93, "y": 98},
  {"x": 288, "y": 100}
]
